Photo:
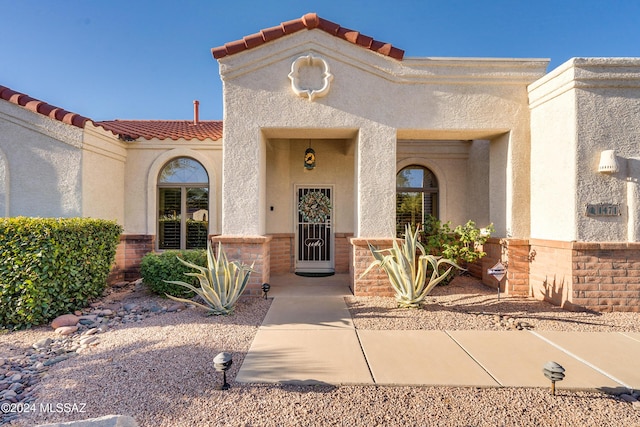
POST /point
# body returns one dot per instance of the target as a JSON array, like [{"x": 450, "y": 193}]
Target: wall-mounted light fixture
[{"x": 608, "y": 162}]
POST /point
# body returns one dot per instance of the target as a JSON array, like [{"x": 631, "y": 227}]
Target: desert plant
[
  {"x": 407, "y": 270},
  {"x": 156, "y": 268},
  {"x": 221, "y": 282}
]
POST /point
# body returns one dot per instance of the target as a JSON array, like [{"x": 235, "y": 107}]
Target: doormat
[{"x": 303, "y": 274}]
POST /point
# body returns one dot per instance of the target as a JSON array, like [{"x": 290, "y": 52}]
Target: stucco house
[{"x": 325, "y": 129}]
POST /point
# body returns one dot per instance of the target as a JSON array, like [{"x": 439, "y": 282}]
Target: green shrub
[
  {"x": 156, "y": 268},
  {"x": 52, "y": 266},
  {"x": 462, "y": 244}
]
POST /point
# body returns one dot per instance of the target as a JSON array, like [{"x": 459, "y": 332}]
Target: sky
[{"x": 149, "y": 59}]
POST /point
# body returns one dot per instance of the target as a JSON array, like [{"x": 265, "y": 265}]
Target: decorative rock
[
  {"x": 104, "y": 313},
  {"x": 66, "y": 330},
  {"x": 43, "y": 343},
  {"x": 131, "y": 307},
  {"x": 58, "y": 359},
  {"x": 91, "y": 331},
  {"x": 628, "y": 398},
  {"x": 88, "y": 340},
  {"x": 8, "y": 394},
  {"x": 88, "y": 319},
  {"x": 175, "y": 307},
  {"x": 65, "y": 320},
  {"x": 119, "y": 284},
  {"x": 77, "y": 313}
]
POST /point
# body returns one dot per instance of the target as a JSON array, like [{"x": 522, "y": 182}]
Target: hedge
[
  {"x": 52, "y": 266},
  {"x": 155, "y": 268}
]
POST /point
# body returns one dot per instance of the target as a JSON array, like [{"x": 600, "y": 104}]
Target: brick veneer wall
[
  {"x": 375, "y": 283},
  {"x": 129, "y": 253},
  {"x": 513, "y": 254},
  {"x": 282, "y": 254},
  {"x": 342, "y": 250},
  {"x": 551, "y": 277},
  {"x": 578, "y": 275},
  {"x": 250, "y": 250}
]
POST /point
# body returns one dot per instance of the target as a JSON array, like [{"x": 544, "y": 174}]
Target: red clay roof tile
[
  {"x": 308, "y": 21},
  {"x": 43, "y": 108},
  {"x": 164, "y": 129},
  {"x": 134, "y": 129}
]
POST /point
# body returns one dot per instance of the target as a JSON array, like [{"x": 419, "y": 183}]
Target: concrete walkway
[{"x": 308, "y": 337}]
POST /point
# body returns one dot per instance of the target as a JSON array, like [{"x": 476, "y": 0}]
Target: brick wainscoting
[
  {"x": 283, "y": 252},
  {"x": 573, "y": 275},
  {"x": 250, "y": 250},
  {"x": 596, "y": 276},
  {"x": 375, "y": 283},
  {"x": 513, "y": 254},
  {"x": 129, "y": 253}
]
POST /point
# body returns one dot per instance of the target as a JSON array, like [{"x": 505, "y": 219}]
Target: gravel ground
[
  {"x": 466, "y": 304},
  {"x": 160, "y": 371}
]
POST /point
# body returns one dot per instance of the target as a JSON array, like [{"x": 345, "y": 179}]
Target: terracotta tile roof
[
  {"x": 164, "y": 129},
  {"x": 308, "y": 21},
  {"x": 43, "y": 108}
]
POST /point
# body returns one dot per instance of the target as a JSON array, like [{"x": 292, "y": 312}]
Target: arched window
[
  {"x": 416, "y": 196},
  {"x": 183, "y": 205}
]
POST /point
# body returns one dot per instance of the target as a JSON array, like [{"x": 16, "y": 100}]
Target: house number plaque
[{"x": 603, "y": 209}]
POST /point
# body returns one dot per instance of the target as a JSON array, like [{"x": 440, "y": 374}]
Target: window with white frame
[
  {"x": 183, "y": 205},
  {"x": 416, "y": 196}
]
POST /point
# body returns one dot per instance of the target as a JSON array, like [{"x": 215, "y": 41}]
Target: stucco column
[
  {"x": 633, "y": 200},
  {"x": 243, "y": 182},
  {"x": 509, "y": 183},
  {"x": 376, "y": 182}
]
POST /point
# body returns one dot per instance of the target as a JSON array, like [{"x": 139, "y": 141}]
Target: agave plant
[
  {"x": 221, "y": 283},
  {"x": 407, "y": 271}
]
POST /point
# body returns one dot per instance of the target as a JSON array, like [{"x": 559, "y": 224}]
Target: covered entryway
[{"x": 310, "y": 207}]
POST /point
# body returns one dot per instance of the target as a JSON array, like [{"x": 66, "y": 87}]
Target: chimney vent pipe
[{"x": 196, "y": 112}]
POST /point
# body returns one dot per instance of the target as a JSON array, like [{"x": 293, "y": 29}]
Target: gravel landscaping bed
[
  {"x": 467, "y": 304},
  {"x": 157, "y": 367}
]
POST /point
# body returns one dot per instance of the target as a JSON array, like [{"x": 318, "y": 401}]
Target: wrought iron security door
[{"x": 314, "y": 231}]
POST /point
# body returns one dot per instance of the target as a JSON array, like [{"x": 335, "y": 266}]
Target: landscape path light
[
  {"x": 265, "y": 289},
  {"x": 554, "y": 372},
  {"x": 222, "y": 362}
]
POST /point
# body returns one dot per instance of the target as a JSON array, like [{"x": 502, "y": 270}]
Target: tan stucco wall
[
  {"x": 42, "y": 161},
  {"x": 580, "y": 109},
  {"x": 381, "y": 100},
  {"x": 462, "y": 171},
  {"x": 145, "y": 160},
  {"x": 103, "y": 178},
  {"x": 335, "y": 164}
]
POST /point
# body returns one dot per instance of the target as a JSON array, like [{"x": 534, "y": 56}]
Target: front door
[{"x": 314, "y": 236}]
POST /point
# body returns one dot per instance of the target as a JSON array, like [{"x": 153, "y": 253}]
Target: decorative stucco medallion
[{"x": 310, "y": 77}]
